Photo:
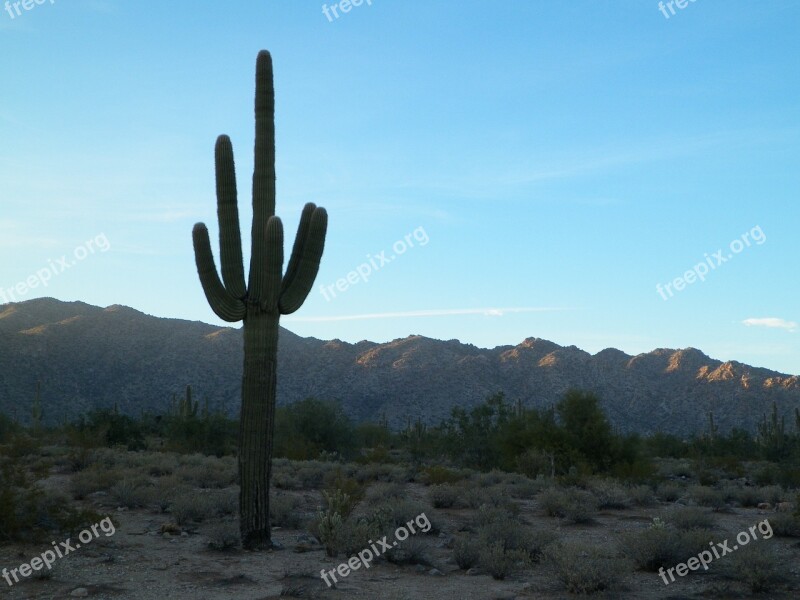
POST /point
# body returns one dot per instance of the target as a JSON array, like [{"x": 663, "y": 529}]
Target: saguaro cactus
[{"x": 268, "y": 294}]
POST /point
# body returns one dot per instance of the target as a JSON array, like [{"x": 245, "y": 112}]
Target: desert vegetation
[{"x": 535, "y": 502}]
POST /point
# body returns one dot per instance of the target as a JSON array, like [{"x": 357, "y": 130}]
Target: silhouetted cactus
[
  {"x": 772, "y": 434},
  {"x": 36, "y": 410},
  {"x": 268, "y": 294}
]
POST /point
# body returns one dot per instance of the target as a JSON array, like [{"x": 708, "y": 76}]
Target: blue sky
[{"x": 559, "y": 159}]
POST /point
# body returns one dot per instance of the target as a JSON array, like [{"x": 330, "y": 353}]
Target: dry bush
[
  {"x": 691, "y": 517},
  {"x": 663, "y": 546},
  {"x": 642, "y": 495},
  {"x": 785, "y": 524},
  {"x": 500, "y": 562},
  {"x": 283, "y": 511},
  {"x": 194, "y": 507},
  {"x": 444, "y": 495},
  {"x": 133, "y": 492},
  {"x": 669, "y": 492},
  {"x": 609, "y": 494},
  {"x": 466, "y": 552},
  {"x": 224, "y": 537},
  {"x": 706, "y": 496},
  {"x": 757, "y": 567},
  {"x": 412, "y": 551},
  {"x": 585, "y": 569}
]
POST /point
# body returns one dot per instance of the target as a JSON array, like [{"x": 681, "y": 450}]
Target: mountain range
[{"x": 86, "y": 357}]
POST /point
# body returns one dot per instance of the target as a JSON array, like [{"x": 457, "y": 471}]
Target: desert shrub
[
  {"x": 580, "y": 506},
  {"x": 98, "y": 478},
  {"x": 771, "y": 493},
  {"x": 642, "y": 495},
  {"x": 162, "y": 465},
  {"x": 207, "y": 473},
  {"x": 166, "y": 490},
  {"x": 785, "y": 524},
  {"x": 384, "y": 491},
  {"x": 675, "y": 468},
  {"x": 312, "y": 474},
  {"x": 329, "y": 528},
  {"x": 412, "y": 551},
  {"x": 500, "y": 562},
  {"x": 552, "y": 501},
  {"x": 384, "y": 472},
  {"x": 132, "y": 493},
  {"x": 757, "y": 567},
  {"x": 443, "y": 495},
  {"x": 768, "y": 474},
  {"x": 609, "y": 494},
  {"x": 224, "y": 503},
  {"x": 339, "y": 482},
  {"x": 224, "y": 536},
  {"x": 669, "y": 492},
  {"x": 194, "y": 507},
  {"x": 309, "y": 427},
  {"x": 492, "y": 478},
  {"x": 112, "y": 429},
  {"x": 527, "y": 488},
  {"x": 662, "y": 546},
  {"x": 746, "y": 496},
  {"x": 283, "y": 511},
  {"x": 706, "y": 496},
  {"x": 395, "y": 513},
  {"x": 466, "y": 553},
  {"x": 436, "y": 474},
  {"x": 493, "y": 496},
  {"x": 691, "y": 517},
  {"x": 339, "y": 502},
  {"x": 512, "y": 535},
  {"x": 354, "y": 535},
  {"x": 29, "y": 513},
  {"x": 585, "y": 569},
  {"x": 535, "y": 463}
]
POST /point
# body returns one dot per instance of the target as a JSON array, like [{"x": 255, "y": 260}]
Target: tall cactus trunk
[
  {"x": 269, "y": 293},
  {"x": 257, "y": 424}
]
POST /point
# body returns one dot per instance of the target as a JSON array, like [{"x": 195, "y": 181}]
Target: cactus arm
[
  {"x": 299, "y": 243},
  {"x": 295, "y": 294},
  {"x": 230, "y": 241},
  {"x": 225, "y": 306},
  {"x": 272, "y": 272}
]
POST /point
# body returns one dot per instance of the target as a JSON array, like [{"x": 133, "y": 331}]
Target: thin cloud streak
[
  {"x": 772, "y": 323},
  {"x": 489, "y": 312}
]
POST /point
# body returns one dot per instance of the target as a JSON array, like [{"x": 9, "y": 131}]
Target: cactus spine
[{"x": 269, "y": 293}]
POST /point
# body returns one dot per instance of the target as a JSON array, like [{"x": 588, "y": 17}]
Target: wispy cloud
[
  {"x": 772, "y": 323},
  {"x": 488, "y": 312}
]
